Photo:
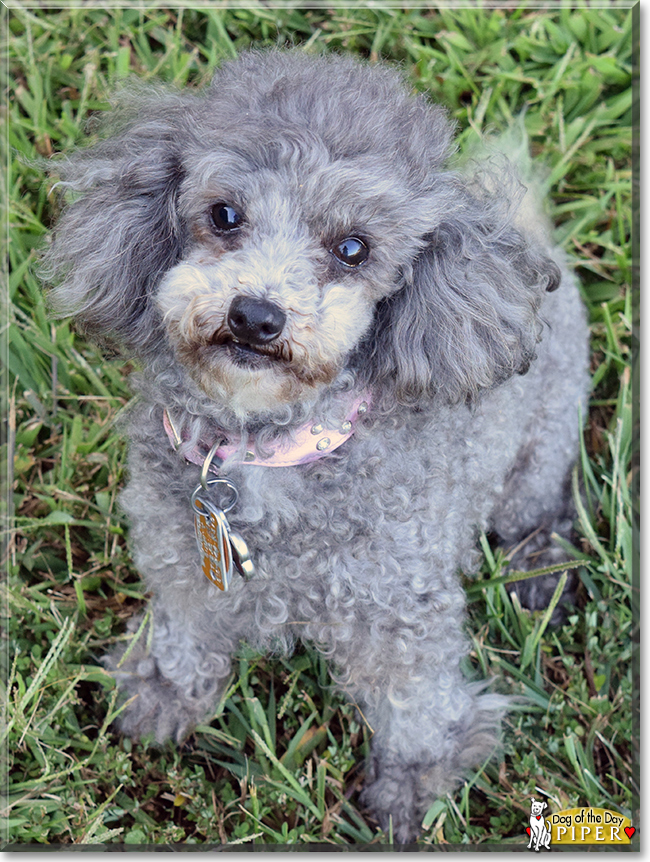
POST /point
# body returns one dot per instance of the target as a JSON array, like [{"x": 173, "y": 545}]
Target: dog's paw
[
  {"x": 392, "y": 794},
  {"x": 159, "y": 708},
  {"x": 400, "y": 789}
]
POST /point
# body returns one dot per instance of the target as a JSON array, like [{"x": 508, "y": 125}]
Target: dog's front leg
[
  {"x": 176, "y": 670},
  {"x": 421, "y": 751},
  {"x": 178, "y": 658},
  {"x": 428, "y": 724}
]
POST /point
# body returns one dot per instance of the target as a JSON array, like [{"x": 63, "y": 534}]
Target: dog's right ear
[{"x": 121, "y": 232}]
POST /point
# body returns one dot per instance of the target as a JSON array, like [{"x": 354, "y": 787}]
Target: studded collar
[{"x": 308, "y": 443}]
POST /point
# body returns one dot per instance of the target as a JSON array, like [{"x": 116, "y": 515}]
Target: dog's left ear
[{"x": 466, "y": 317}]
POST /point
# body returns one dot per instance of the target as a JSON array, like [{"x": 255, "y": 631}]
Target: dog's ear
[
  {"x": 466, "y": 317},
  {"x": 121, "y": 232}
]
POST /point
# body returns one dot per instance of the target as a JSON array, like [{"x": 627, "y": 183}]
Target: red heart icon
[
  {"x": 539, "y": 816},
  {"x": 528, "y": 829},
  {"x": 629, "y": 831}
]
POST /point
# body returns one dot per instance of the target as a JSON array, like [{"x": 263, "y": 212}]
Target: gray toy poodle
[{"x": 354, "y": 358}]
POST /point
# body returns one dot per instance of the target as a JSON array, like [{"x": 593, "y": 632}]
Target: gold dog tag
[
  {"x": 222, "y": 551},
  {"x": 213, "y": 539}
]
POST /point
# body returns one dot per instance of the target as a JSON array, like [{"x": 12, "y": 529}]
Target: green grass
[{"x": 282, "y": 760}]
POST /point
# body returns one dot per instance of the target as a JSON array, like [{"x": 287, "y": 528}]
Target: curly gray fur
[{"x": 477, "y": 368}]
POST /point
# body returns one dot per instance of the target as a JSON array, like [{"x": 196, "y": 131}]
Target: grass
[{"x": 282, "y": 760}]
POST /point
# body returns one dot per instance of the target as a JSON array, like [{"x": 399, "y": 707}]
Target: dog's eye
[
  {"x": 225, "y": 218},
  {"x": 351, "y": 251}
]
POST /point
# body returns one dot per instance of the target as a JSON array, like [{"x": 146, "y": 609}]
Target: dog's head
[
  {"x": 537, "y": 807},
  {"x": 294, "y": 222}
]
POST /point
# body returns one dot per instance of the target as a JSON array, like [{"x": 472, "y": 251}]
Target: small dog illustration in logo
[{"x": 539, "y": 830}]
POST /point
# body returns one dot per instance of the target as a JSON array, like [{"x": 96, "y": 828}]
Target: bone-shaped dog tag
[{"x": 213, "y": 539}]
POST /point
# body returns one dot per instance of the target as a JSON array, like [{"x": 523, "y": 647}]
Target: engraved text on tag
[{"x": 213, "y": 540}]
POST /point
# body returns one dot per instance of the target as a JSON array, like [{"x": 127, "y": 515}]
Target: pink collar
[{"x": 307, "y": 443}]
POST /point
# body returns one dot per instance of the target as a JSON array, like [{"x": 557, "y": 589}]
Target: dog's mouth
[
  {"x": 246, "y": 356},
  {"x": 250, "y": 356},
  {"x": 223, "y": 365}
]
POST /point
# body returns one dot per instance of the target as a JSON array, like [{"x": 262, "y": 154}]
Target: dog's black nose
[{"x": 255, "y": 321}]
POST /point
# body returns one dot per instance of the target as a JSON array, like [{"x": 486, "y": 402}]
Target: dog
[
  {"x": 540, "y": 830},
  {"x": 354, "y": 357}
]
